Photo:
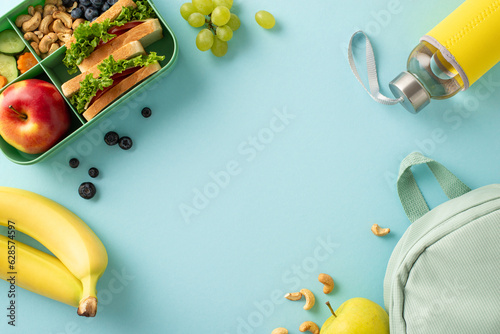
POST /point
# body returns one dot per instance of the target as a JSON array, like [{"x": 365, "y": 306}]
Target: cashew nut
[
  {"x": 31, "y": 10},
  {"x": 64, "y": 37},
  {"x": 44, "y": 26},
  {"x": 280, "y": 330},
  {"x": 49, "y": 10},
  {"x": 309, "y": 326},
  {"x": 76, "y": 23},
  {"x": 294, "y": 296},
  {"x": 38, "y": 34},
  {"x": 30, "y": 36},
  {"x": 61, "y": 43},
  {"x": 32, "y": 23},
  {"x": 59, "y": 27},
  {"x": 61, "y": 8},
  {"x": 39, "y": 8},
  {"x": 70, "y": 9},
  {"x": 310, "y": 300},
  {"x": 21, "y": 19},
  {"x": 64, "y": 17},
  {"x": 53, "y": 47},
  {"x": 47, "y": 41},
  {"x": 35, "y": 47},
  {"x": 380, "y": 232},
  {"x": 51, "y": 2},
  {"x": 328, "y": 282}
]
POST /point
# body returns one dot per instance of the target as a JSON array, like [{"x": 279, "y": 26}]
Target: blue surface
[{"x": 300, "y": 203}]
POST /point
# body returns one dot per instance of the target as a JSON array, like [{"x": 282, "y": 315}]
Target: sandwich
[
  {"x": 126, "y": 21},
  {"x": 103, "y": 83}
]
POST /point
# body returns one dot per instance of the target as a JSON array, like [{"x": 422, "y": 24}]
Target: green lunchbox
[
  {"x": 444, "y": 274},
  {"x": 52, "y": 69}
]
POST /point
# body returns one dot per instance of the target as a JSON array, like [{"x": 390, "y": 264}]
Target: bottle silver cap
[{"x": 411, "y": 90}]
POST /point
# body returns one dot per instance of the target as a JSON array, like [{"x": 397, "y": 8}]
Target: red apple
[{"x": 33, "y": 116}]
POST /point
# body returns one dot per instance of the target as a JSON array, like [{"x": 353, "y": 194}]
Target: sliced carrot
[
  {"x": 25, "y": 62},
  {"x": 3, "y": 81}
]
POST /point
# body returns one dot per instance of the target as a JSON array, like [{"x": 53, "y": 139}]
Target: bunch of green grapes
[{"x": 219, "y": 23}]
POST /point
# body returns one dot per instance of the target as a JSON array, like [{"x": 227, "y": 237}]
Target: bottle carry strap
[
  {"x": 410, "y": 195},
  {"x": 371, "y": 65}
]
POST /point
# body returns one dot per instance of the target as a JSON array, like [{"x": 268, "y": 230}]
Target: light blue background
[{"x": 326, "y": 177}]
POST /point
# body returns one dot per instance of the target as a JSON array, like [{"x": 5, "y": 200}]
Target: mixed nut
[{"x": 48, "y": 27}]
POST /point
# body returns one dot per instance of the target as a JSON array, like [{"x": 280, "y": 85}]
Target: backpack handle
[{"x": 410, "y": 195}]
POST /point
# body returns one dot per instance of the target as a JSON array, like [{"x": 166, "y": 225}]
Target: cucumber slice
[
  {"x": 10, "y": 42},
  {"x": 8, "y": 67}
]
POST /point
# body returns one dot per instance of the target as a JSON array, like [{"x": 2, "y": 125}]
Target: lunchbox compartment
[
  {"x": 12, "y": 153},
  {"x": 8, "y": 25}
]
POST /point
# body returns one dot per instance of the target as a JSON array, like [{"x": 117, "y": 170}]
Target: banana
[
  {"x": 41, "y": 273},
  {"x": 61, "y": 232}
]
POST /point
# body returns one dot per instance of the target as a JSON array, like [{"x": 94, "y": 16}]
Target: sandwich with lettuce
[
  {"x": 126, "y": 21},
  {"x": 103, "y": 83}
]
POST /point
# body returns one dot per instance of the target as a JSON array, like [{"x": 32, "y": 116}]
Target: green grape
[
  {"x": 224, "y": 33},
  {"x": 205, "y": 40},
  {"x": 187, "y": 9},
  {"x": 265, "y": 19},
  {"x": 203, "y": 6},
  {"x": 196, "y": 20},
  {"x": 225, "y": 3},
  {"x": 221, "y": 16},
  {"x": 219, "y": 49},
  {"x": 234, "y": 22}
]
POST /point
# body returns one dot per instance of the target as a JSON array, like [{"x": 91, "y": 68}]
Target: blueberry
[
  {"x": 111, "y": 138},
  {"x": 91, "y": 13},
  {"x": 146, "y": 112},
  {"x": 125, "y": 143},
  {"x": 73, "y": 163},
  {"x": 105, "y": 7},
  {"x": 87, "y": 190},
  {"x": 93, "y": 172},
  {"x": 68, "y": 3},
  {"x": 111, "y": 2},
  {"x": 85, "y": 3},
  {"x": 76, "y": 13},
  {"x": 96, "y": 3}
]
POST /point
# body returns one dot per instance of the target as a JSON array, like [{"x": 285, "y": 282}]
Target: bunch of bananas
[{"x": 80, "y": 257}]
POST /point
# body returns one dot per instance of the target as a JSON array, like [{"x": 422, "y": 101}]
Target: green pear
[{"x": 357, "y": 316}]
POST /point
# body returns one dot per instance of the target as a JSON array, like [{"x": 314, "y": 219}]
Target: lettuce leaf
[
  {"x": 90, "y": 85},
  {"x": 143, "y": 11},
  {"x": 87, "y": 37}
]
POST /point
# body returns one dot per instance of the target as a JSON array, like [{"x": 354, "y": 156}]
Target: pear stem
[
  {"x": 23, "y": 116},
  {"x": 331, "y": 309}
]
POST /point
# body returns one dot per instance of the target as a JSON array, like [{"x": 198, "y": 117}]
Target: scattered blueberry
[
  {"x": 125, "y": 143},
  {"x": 111, "y": 2},
  {"x": 76, "y": 13},
  {"x": 85, "y": 3},
  {"x": 146, "y": 112},
  {"x": 97, "y": 3},
  {"x": 87, "y": 190},
  {"x": 105, "y": 7},
  {"x": 73, "y": 163},
  {"x": 93, "y": 172},
  {"x": 111, "y": 138}
]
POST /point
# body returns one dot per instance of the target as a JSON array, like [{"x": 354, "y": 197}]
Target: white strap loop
[{"x": 371, "y": 65}]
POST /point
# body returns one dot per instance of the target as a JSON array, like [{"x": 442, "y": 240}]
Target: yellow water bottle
[{"x": 449, "y": 59}]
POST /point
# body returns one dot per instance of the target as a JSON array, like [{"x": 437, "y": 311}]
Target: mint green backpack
[{"x": 444, "y": 274}]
